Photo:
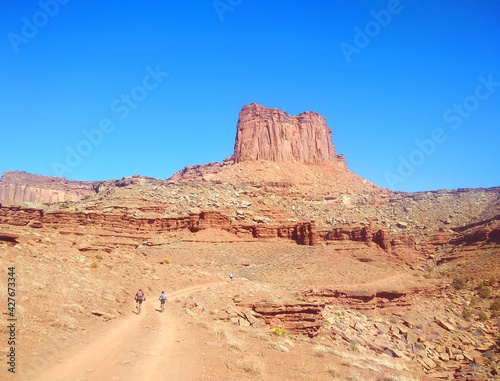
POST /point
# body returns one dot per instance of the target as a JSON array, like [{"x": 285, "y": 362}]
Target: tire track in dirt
[{"x": 137, "y": 348}]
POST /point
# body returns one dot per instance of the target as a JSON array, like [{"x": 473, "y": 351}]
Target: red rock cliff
[
  {"x": 18, "y": 186},
  {"x": 271, "y": 134}
]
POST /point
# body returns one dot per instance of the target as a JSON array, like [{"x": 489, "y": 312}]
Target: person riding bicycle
[
  {"x": 139, "y": 298},
  {"x": 162, "y": 299}
]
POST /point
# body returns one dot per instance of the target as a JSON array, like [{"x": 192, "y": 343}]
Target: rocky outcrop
[
  {"x": 105, "y": 223},
  {"x": 18, "y": 186},
  {"x": 271, "y": 134},
  {"x": 297, "y": 318}
]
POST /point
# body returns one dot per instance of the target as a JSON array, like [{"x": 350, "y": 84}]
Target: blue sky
[{"x": 100, "y": 90}]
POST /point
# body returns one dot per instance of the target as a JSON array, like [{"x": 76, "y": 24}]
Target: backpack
[{"x": 139, "y": 295}]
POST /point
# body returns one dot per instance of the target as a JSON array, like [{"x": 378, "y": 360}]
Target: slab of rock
[{"x": 104, "y": 315}]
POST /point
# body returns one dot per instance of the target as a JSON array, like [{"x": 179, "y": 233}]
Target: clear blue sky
[{"x": 410, "y": 89}]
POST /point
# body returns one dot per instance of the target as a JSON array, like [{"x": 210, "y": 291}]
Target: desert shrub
[
  {"x": 490, "y": 282},
  {"x": 99, "y": 257},
  {"x": 252, "y": 366},
  {"x": 353, "y": 347},
  {"x": 484, "y": 292},
  {"x": 280, "y": 332},
  {"x": 93, "y": 265},
  {"x": 333, "y": 371},
  {"x": 166, "y": 261},
  {"x": 458, "y": 283},
  {"x": 497, "y": 343},
  {"x": 279, "y": 347},
  {"x": 495, "y": 305},
  {"x": 473, "y": 301},
  {"x": 483, "y": 316},
  {"x": 466, "y": 313},
  {"x": 65, "y": 322},
  {"x": 212, "y": 312},
  {"x": 235, "y": 343}
]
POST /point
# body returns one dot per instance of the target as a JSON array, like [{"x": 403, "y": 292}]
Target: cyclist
[
  {"x": 139, "y": 298},
  {"x": 162, "y": 298}
]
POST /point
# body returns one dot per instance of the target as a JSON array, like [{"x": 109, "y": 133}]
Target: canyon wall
[{"x": 18, "y": 186}]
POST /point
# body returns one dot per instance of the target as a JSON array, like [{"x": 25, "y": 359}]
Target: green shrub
[
  {"x": 483, "y": 316},
  {"x": 280, "y": 332},
  {"x": 466, "y": 313},
  {"x": 458, "y": 283},
  {"x": 473, "y": 301},
  {"x": 490, "y": 282},
  {"x": 484, "y": 292},
  {"x": 495, "y": 305}
]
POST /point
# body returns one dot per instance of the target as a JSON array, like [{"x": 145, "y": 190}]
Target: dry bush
[
  {"x": 484, "y": 292},
  {"x": 278, "y": 346},
  {"x": 236, "y": 343},
  {"x": 252, "y": 366},
  {"x": 361, "y": 361},
  {"x": 398, "y": 378},
  {"x": 333, "y": 371},
  {"x": 73, "y": 307},
  {"x": 495, "y": 305},
  {"x": 261, "y": 336},
  {"x": 65, "y": 322},
  {"x": 321, "y": 350},
  {"x": 458, "y": 283}
]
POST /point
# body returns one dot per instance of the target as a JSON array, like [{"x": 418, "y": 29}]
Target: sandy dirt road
[{"x": 140, "y": 347}]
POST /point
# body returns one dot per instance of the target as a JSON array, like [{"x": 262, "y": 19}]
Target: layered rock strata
[
  {"x": 271, "y": 134},
  {"x": 303, "y": 233},
  {"x": 18, "y": 186}
]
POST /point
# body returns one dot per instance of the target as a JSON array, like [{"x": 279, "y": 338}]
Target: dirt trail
[{"x": 140, "y": 347}]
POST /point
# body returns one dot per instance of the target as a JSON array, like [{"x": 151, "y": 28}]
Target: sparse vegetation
[
  {"x": 495, "y": 304},
  {"x": 466, "y": 314},
  {"x": 279, "y": 346},
  {"x": 99, "y": 257},
  {"x": 458, "y": 283},
  {"x": 483, "y": 316},
  {"x": 235, "y": 342},
  {"x": 473, "y": 301},
  {"x": 333, "y": 371},
  {"x": 93, "y": 265},
  {"x": 353, "y": 347},
  {"x": 484, "y": 292},
  {"x": 252, "y": 366},
  {"x": 281, "y": 332},
  {"x": 320, "y": 350},
  {"x": 166, "y": 261}
]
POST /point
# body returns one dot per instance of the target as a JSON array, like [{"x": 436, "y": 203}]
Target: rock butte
[{"x": 271, "y": 134}]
